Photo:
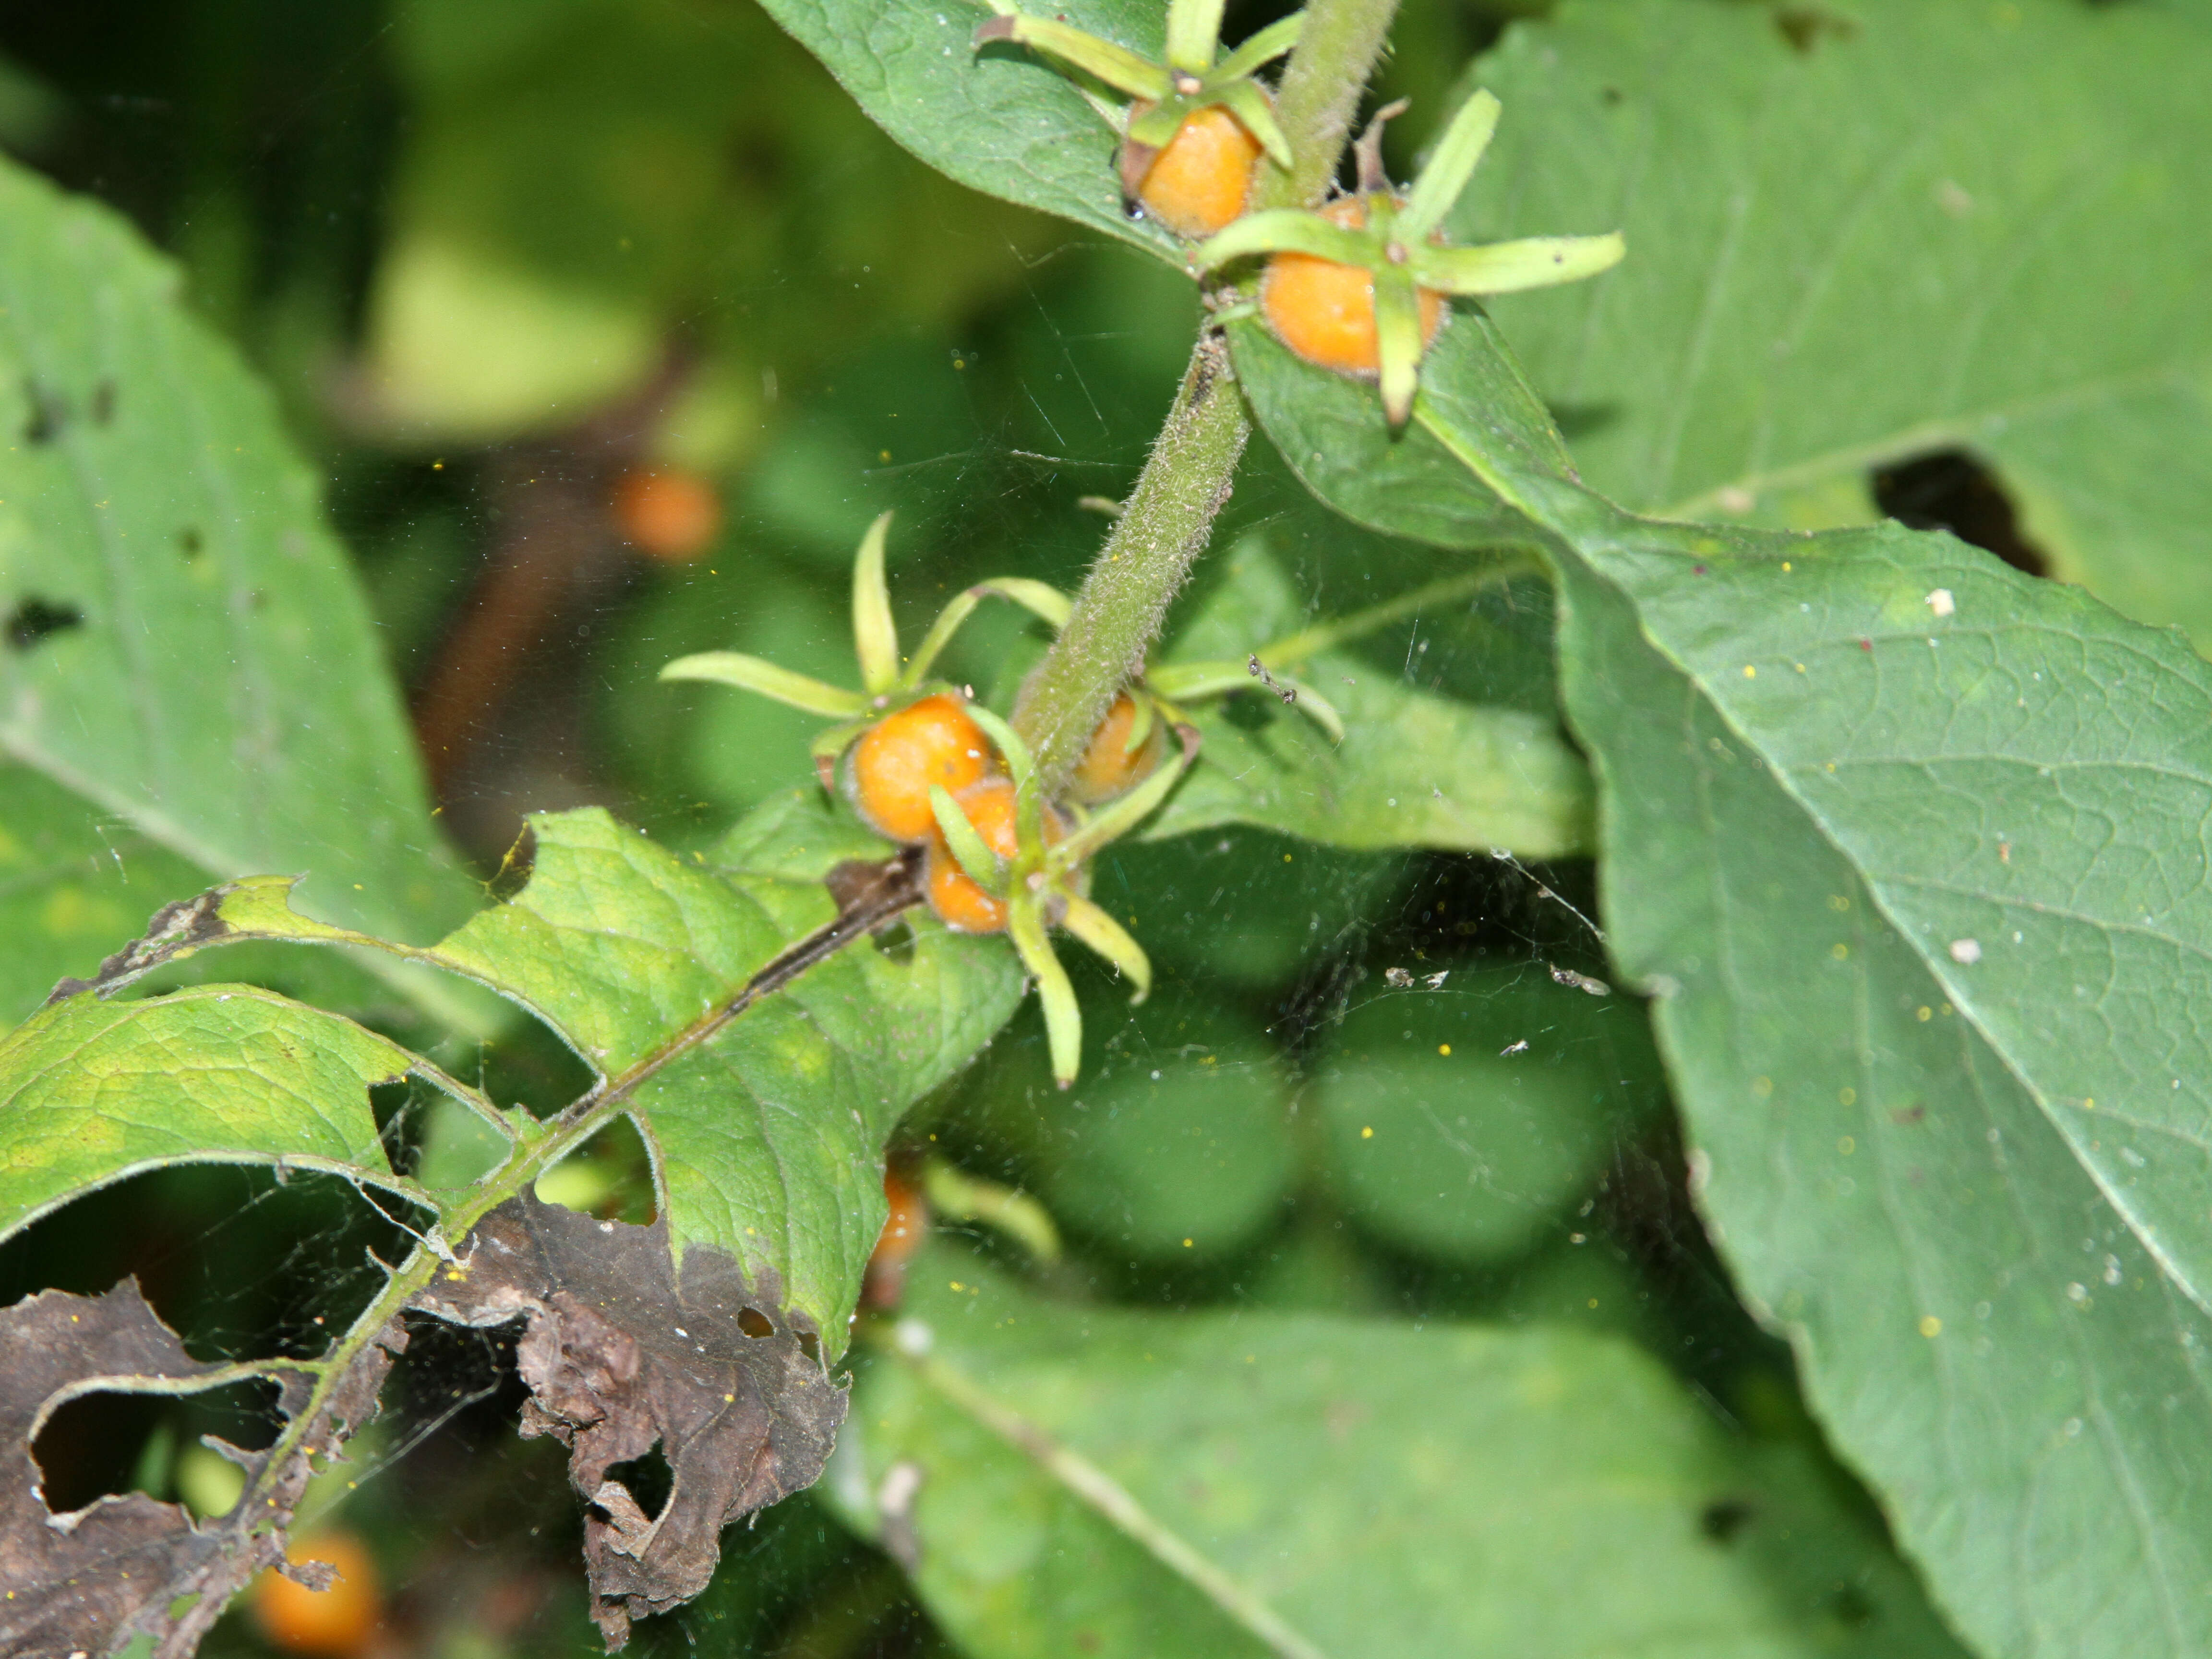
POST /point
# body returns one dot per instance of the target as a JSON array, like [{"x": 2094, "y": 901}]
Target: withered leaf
[
  {"x": 621, "y": 1352},
  {"x": 83, "y": 1583}
]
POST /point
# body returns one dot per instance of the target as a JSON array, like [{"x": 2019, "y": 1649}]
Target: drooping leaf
[
  {"x": 92, "y": 1091},
  {"x": 1535, "y": 1493},
  {"x": 1001, "y": 120},
  {"x": 187, "y": 662},
  {"x": 1908, "y": 846},
  {"x": 1415, "y": 768},
  {"x": 764, "y": 1128},
  {"x": 1870, "y": 231}
]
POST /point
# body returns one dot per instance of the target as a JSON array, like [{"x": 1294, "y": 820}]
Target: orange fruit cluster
[{"x": 889, "y": 769}]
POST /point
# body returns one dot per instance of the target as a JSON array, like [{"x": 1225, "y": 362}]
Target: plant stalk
[
  {"x": 1320, "y": 96},
  {"x": 1162, "y": 529},
  {"x": 1168, "y": 518}
]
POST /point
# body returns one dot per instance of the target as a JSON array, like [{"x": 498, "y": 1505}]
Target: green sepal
[
  {"x": 956, "y": 1196},
  {"x": 830, "y": 744},
  {"x": 1510, "y": 267},
  {"x": 1451, "y": 165},
  {"x": 1028, "y": 804},
  {"x": 1140, "y": 722},
  {"x": 1118, "y": 817},
  {"x": 983, "y": 866},
  {"x": 752, "y": 674},
  {"x": 1250, "y": 105},
  {"x": 1398, "y": 341},
  {"x": 1193, "y": 29},
  {"x": 1269, "y": 44},
  {"x": 1117, "y": 66},
  {"x": 1040, "y": 599},
  {"x": 1063, "y": 1015},
  {"x": 875, "y": 635},
  {"x": 1096, "y": 928},
  {"x": 1288, "y": 230},
  {"x": 1157, "y": 127}
]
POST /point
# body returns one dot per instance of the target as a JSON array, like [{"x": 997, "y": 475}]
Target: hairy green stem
[
  {"x": 1162, "y": 529},
  {"x": 1165, "y": 523},
  {"x": 1320, "y": 96}
]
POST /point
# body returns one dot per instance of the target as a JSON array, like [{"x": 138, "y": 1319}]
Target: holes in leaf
[
  {"x": 1950, "y": 489},
  {"x": 1807, "y": 28},
  {"x": 648, "y": 1480},
  {"x": 755, "y": 1323},
  {"x": 1724, "y": 1519},
  {"x": 107, "y": 1443},
  {"x": 895, "y": 943},
  {"x": 47, "y": 414},
  {"x": 36, "y": 619}
]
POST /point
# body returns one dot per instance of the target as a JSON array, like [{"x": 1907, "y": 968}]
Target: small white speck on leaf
[
  {"x": 1966, "y": 950},
  {"x": 1941, "y": 603}
]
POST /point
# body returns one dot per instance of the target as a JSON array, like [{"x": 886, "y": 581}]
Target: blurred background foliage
[{"x": 612, "y": 324}]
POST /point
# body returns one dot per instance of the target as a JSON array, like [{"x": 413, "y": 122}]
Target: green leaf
[
  {"x": 1926, "y": 227},
  {"x": 1906, "y": 846},
  {"x": 1415, "y": 768},
  {"x": 1000, "y": 119},
  {"x": 92, "y": 1091},
  {"x": 766, "y": 1131},
  {"x": 1464, "y": 1117},
  {"x": 190, "y": 665},
  {"x": 73, "y": 882},
  {"x": 1535, "y": 1493}
]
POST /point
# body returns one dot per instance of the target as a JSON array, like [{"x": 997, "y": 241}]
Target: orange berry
[
  {"x": 1198, "y": 181},
  {"x": 888, "y": 771},
  {"x": 1108, "y": 767},
  {"x": 672, "y": 516},
  {"x": 901, "y": 1236},
  {"x": 338, "y": 1621},
  {"x": 959, "y": 902},
  {"x": 1325, "y": 311}
]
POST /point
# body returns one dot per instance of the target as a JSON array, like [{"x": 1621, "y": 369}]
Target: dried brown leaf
[
  {"x": 85, "y": 1582},
  {"x": 621, "y": 1352}
]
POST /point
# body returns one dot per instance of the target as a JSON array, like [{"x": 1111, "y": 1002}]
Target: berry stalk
[{"x": 1165, "y": 523}]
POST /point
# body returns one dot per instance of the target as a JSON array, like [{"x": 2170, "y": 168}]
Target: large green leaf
[
  {"x": 766, "y": 1132},
  {"x": 1415, "y": 768},
  {"x": 1862, "y": 232},
  {"x": 1909, "y": 849},
  {"x": 1000, "y": 120},
  {"x": 1537, "y": 1492},
  {"x": 188, "y": 664}
]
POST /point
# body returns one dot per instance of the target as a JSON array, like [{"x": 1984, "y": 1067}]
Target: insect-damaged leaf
[
  {"x": 1910, "y": 849},
  {"x": 622, "y": 1350},
  {"x": 85, "y": 1582},
  {"x": 1866, "y": 232},
  {"x": 184, "y": 649}
]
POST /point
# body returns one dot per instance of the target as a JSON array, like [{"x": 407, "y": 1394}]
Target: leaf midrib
[{"x": 1956, "y": 430}]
